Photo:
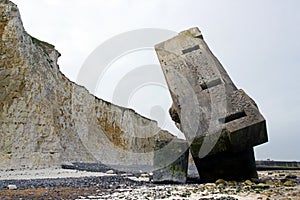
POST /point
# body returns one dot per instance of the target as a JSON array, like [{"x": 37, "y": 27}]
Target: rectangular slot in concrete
[
  {"x": 194, "y": 48},
  {"x": 233, "y": 117},
  {"x": 211, "y": 84}
]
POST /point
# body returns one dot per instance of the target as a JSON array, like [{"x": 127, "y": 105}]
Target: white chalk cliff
[{"x": 45, "y": 119}]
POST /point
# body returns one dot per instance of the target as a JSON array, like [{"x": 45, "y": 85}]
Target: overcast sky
[{"x": 256, "y": 41}]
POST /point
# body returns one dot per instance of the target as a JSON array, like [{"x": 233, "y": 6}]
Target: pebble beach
[{"x": 57, "y": 183}]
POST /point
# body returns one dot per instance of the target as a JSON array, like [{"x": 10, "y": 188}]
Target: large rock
[
  {"x": 221, "y": 123},
  {"x": 170, "y": 161},
  {"x": 45, "y": 119}
]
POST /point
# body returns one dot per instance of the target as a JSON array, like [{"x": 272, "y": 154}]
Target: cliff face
[{"x": 45, "y": 119}]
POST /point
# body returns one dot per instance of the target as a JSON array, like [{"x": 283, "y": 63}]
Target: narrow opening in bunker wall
[{"x": 233, "y": 117}]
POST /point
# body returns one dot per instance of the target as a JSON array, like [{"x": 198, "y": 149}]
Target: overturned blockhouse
[{"x": 221, "y": 123}]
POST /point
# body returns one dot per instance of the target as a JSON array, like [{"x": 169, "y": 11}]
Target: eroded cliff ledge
[{"x": 45, "y": 119}]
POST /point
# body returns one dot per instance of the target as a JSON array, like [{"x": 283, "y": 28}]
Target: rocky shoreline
[{"x": 109, "y": 183}]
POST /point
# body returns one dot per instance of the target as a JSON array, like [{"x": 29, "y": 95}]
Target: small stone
[
  {"x": 210, "y": 185},
  {"x": 93, "y": 197},
  {"x": 262, "y": 186},
  {"x": 232, "y": 183},
  {"x": 109, "y": 172},
  {"x": 277, "y": 182},
  {"x": 289, "y": 184},
  {"x": 269, "y": 182},
  {"x": 12, "y": 187},
  {"x": 281, "y": 174},
  {"x": 248, "y": 182},
  {"x": 144, "y": 175},
  {"x": 220, "y": 181},
  {"x": 221, "y": 185},
  {"x": 291, "y": 176}
]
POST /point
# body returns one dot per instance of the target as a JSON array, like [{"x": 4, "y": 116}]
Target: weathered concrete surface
[
  {"x": 45, "y": 119},
  {"x": 170, "y": 161},
  {"x": 219, "y": 121}
]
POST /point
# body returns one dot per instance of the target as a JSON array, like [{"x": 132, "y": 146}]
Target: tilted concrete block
[{"x": 221, "y": 123}]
